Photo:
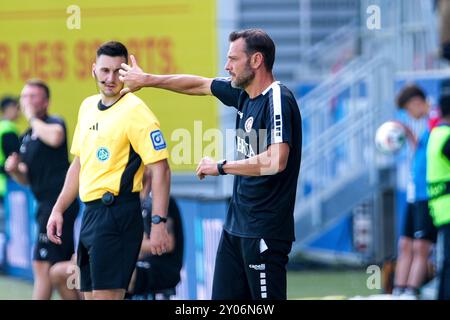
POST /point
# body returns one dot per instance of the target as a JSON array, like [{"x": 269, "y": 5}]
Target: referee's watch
[
  {"x": 220, "y": 165},
  {"x": 158, "y": 219}
]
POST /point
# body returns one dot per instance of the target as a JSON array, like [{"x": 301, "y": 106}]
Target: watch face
[{"x": 156, "y": 219}]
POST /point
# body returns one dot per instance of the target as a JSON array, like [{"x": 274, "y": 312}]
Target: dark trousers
[{"x": 250, "y": 268}]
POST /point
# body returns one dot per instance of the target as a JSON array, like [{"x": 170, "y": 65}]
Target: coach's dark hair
[
  {"x": 257, "y": 40},
  {"x": 409, "y": 92},
  {"x": 113, "y": 49},
  {"x": 41, "y": 84}
]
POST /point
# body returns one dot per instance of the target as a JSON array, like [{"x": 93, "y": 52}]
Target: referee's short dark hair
[
  {"x": 113, "y": 49},
  {"x": 257, "y": 40},
  {"x": 409, "y": 92},
  {"x": 41, "y": 84},
  {"x": 8, "y": 101}
]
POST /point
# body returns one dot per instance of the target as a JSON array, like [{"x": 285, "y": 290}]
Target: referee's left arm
[{"x": 160, "y": 187}]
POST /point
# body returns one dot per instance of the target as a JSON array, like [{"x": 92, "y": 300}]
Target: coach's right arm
[{"x": 134, "y": 79}]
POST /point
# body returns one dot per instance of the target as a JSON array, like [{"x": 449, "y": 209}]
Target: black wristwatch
[
  {"x": 220, "y": 165},
  {"x": 158, "y": 219}
]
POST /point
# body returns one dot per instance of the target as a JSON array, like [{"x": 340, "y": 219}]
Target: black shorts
[
  {"x": 110, "y": 240},
  {"x": 44, "y": 249},
  {"x": 418, "y": 223},
  {"x": 250, "y": 269}
]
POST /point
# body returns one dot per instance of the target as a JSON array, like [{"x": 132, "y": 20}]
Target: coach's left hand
[
  {"x": 132, "y": 76},
  {"x": 207, "y": 167}
]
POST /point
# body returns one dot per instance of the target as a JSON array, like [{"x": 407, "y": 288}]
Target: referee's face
[{"x": 106, "y": 74}]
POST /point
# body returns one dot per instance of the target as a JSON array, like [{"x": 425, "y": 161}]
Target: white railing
[
  {"x": 338, "y": 150},
  {"x": 341, "y": 114},
  {"x": 408, "y": 33}
]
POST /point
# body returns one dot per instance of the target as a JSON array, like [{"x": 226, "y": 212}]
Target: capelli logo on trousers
[{"x": 258, "y": 267}]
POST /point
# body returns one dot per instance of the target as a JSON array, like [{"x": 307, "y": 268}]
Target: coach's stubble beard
[{"x": 244, "y": 79}]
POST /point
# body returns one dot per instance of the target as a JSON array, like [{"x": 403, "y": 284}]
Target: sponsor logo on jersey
[{"x": 244, "y": 147}]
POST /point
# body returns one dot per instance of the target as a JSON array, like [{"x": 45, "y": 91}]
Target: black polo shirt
[
  {"x": 263, "y": 206},
  {"x": 47, "y": 166}
]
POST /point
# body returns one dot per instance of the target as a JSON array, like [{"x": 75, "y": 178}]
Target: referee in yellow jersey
[{"x": 117, "y": 140}]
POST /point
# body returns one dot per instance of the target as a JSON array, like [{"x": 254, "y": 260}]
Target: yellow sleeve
[
  {"x": 75, "y": 148},
  {"x": 146, "y": 137}
]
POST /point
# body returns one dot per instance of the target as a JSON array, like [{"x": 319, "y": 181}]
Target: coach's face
[
  {"x": 238, "y": 65},
  {"x": 106, "y": 73}
]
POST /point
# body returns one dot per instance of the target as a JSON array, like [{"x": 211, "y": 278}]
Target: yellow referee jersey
[{"x": 114, "y": 144}]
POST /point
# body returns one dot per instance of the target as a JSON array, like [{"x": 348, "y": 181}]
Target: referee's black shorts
[
  {"x": 110, "y": 240},
  {"x": 250, "y": 268},
  {"x": 45, "y": 250}
]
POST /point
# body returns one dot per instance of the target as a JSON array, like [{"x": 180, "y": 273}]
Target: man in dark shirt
[
  {"x": 42, "y": 164},
  {"x": 259, "y": 228}
]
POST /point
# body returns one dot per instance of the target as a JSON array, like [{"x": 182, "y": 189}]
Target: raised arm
[
  {"x": 52, "y": 134},
  {"x": 135, "y": 78}
]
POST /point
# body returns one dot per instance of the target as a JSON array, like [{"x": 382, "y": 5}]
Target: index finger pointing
[
  {"x": 133, "y": 61},
  {"x": 125, "y": 67}
]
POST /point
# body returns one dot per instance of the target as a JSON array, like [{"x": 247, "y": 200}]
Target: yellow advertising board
[{"x": 57, "y": 40}]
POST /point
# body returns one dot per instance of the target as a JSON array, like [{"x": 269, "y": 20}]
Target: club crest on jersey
[
  {"x": 157, "y": 140},
  {"x": 248, "y": 124},
  {"x": 103, "y": 154}
]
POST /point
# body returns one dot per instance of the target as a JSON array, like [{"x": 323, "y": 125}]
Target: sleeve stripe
[{"x": 277, "y": 118}]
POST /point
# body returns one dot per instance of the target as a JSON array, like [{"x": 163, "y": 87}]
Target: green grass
[
  {"x": 332, "y": 284},
  {"x": 301, "y": 285},
  {"x": 14, "y": 289}
]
